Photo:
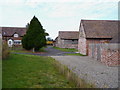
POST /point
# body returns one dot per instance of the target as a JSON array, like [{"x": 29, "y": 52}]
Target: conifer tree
[{"x": 35, "y": 37}]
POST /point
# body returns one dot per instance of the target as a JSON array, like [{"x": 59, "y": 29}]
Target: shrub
[{"x": 5, "y": 51}]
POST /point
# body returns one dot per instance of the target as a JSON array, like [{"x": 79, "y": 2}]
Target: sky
[{"x": 56, "y": 15}]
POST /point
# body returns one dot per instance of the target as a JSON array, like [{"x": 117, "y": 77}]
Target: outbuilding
[
  {"x": 67, "y": 39},
  {"x": 96, "y": 31}
]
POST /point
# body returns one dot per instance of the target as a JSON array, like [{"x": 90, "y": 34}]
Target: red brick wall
[
  {"x": 95, "y": 41},
  {"x": 110, "y": 57},
  {"x": 108, "y": 53},
  {"x": 84, "y": 43}
]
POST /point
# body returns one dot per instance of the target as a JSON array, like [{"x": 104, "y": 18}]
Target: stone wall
[
  {"x": 70, "y": 46},
  {"x": 105, "y": 53},
  {"x": 82, "y": 46}
]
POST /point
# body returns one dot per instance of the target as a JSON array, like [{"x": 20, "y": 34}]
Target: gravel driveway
[{"x": 91, "y": 70}]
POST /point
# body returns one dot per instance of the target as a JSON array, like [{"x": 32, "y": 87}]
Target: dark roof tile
[
  {"x": 9, "y": 31},
  {"x": 100, "y": 28},
  {"x": 68, "y": 34}
]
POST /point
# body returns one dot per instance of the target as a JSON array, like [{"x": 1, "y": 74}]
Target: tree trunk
[{"x": 33, "y": 50}]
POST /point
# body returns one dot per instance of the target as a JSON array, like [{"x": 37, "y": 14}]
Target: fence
[{"x": 108, "y": 54}]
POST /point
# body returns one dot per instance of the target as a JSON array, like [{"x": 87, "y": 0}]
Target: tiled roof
[
  {"x": 100, "y": 28},
  {"x": 116, "y": 38},
  {"x": 68, "y": 34},
  {"x": 9, "y": 31}
]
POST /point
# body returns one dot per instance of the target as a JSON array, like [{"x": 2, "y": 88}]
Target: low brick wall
[{"x": 108, "y": 54}]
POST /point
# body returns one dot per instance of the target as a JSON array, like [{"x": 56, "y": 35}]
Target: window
[
  {"x": 17, "y": 42},
  {"x": 10, "y": 42},
  {"x": 16, "y": 35}
]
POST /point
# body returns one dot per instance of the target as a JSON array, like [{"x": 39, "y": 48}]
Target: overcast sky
[{"x": 56, "y": 15}]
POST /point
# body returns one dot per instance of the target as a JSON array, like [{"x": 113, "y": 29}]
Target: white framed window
[
  {"x": 17, "y": 42},
  {"x": 16, "y": 35}
]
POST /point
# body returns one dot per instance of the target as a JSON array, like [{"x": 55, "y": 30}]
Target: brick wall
[
  {"x": 83, "y": 44},
  {"x": 105, "y": 53}
]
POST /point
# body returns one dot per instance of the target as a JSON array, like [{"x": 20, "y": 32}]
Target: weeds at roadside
[{"x": 80, "y": 83}]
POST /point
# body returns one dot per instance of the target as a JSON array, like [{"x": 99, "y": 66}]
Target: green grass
[
  {"x": 42, "y": 49},
  {"x": 65, "y": 49},
  {"x": 75, "y": 54},
  {"x": 28, "y": 71},
  {"x": 22, "y": 50}
]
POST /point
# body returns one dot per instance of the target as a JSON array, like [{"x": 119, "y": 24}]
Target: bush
[{"x": 5, "y": 51}]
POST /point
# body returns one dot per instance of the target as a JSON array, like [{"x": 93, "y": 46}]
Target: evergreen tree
[{"x": 35, "y": 36}]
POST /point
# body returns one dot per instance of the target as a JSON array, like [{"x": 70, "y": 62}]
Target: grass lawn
[
  {"x": 75, "y": 54},
  {"x": 28, "y": 71},
  {"x": 22, "y": 50},
  {"x": 66, "y": 49}
]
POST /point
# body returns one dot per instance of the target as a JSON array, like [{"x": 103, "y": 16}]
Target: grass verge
[
  {"x": 75, "y": 54},
  {"x": 28, "y": 71},
  {"x": 66, "y": 49},
  {"x": 79, "y": 83}
]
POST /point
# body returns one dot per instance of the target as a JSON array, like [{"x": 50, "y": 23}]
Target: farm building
[
  {"x": 96, "y": 31},
  {"x": 99, "y": 40},
  {"x": 67, "y": 39}
]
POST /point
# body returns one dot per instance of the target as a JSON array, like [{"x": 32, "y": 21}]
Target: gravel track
[{"x": 91, "y": 70}]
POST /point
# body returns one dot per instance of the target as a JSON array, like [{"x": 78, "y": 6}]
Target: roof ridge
[
  {"x": 97, "y": 20},
  {"x": 12, "y": 27},
  {"x": 68, "y": 31}
]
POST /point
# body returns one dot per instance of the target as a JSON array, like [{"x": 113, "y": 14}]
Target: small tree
[{"x": 35, "y": 37}]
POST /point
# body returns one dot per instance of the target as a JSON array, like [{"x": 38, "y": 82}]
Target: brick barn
[
  {"x": 13, "y": 35},
  {"x": 67, "y": 39},
  {"x": 96, "y": 31}
]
